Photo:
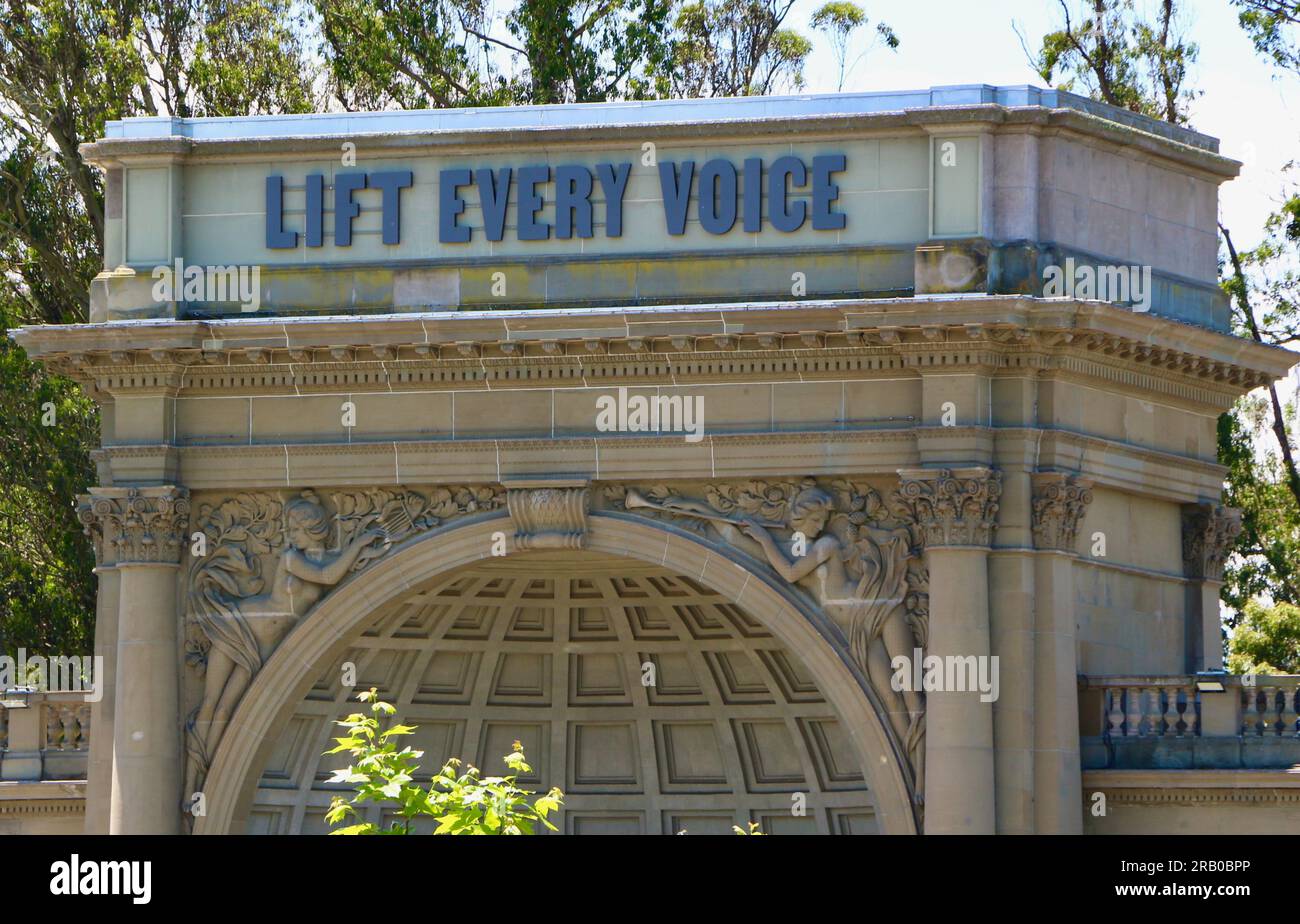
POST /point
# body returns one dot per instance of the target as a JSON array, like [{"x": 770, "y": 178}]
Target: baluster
[
  {"x": 1133, "y": 719},
  {"x": 83, "y": 728},
  {"x": 1250, "y": 712},
  {"x": 1268, "y": 712},
  {"x": 1171, "y": 712},
  {"x": 1288, "y": 713},
  {"x": 68, "y": 716},
  {"x": 53, "y": 727},
  {"x": 1151, "y": 708},
  {"x": 1114, "y": 712}
]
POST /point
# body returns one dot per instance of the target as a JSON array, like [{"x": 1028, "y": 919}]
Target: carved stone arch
[{"x": 327, "y": 630}]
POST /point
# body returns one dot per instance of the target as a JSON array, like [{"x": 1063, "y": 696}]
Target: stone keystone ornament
[{"x": 548, "y": 514}]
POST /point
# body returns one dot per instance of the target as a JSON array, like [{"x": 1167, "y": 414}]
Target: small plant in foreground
[{"x": 460, "y": 802}]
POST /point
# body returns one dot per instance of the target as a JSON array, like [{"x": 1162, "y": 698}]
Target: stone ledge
[
  {"x": 48, "y": 797},
  {"x": 1192, "y": 787}
]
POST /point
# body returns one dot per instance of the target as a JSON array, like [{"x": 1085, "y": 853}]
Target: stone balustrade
[
  {"x": 1139, "y": 707},
  {"x": 47, "y": 738},
  {"x": 1170, "y": 706},
  {"x": 1165, "y": 721}
]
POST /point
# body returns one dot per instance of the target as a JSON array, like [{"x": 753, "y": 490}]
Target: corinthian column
[
  {"x": 141, "y": 532},
  {"x": 1059, "y": 504},
  {"x": 956, "y": 510},
  {"x": 1209, "y": 531}
]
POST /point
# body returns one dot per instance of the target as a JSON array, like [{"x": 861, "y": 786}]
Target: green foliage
[
  {"x": 1108, "y": 50},
  {"x": 1262, "y": 477},
  {"x": 1267, "y": 640},
  {"x": 736, "y": 48},
  {"x": 591, "y": 52},
  {"x": 840, "y": 20},
  {"x": 753, "y": 829},
  {"x": 47, "y": 585},
  {"x": 67, "y": 66},
  {"x": 1274, "y": 28},
  {"x": 461, "y": 802},
  {"x": 1267, "y": 558},
  {"x": 388, "y": 53}
]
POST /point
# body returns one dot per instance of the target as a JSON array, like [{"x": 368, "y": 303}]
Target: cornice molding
[
  {"x": 116, "y": 152},
  {"x": 1188, "y": 787},
  {"x": 455, "y": 348}
]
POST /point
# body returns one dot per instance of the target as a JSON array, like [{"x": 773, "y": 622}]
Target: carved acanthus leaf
[
  {"x": 1209, "y": 531},
  {"x": 135, "y": 525},
  {"x": 1060, "y": 501},
  {"x": 953, "y": 507}
]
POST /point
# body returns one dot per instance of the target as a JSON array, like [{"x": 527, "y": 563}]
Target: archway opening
[{"x": 656, "y": 703}]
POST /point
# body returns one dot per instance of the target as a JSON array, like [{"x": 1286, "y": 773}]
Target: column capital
[
  {"x": 1060, "y": 500},
  {"x": 952, "y": 506},
  {"x": 131, "y": 526},
  {"x": 1209, "y": 531}
]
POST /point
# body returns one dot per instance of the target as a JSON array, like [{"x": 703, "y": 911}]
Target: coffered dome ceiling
[{"x": 552, "y": 649}]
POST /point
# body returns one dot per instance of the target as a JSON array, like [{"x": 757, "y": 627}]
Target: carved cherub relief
[
  {"x": 857, "y": 556},
  {"x": 242, "y": 617}
]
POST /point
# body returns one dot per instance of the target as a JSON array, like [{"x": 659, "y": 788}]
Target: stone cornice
[
  {"x": 992, "y": 333},
  {"x": 45, "y": 798},
  {"x": 117, "y": 152}
]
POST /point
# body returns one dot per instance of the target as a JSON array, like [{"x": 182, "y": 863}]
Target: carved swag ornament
[
  {"x": 861, "y": 561},
  {"x": 268, "y": 561}
]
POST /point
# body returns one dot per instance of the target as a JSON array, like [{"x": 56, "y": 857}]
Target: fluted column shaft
[
  {"x": 140, "y": 531},
  {"x": 956, "y": 510}
]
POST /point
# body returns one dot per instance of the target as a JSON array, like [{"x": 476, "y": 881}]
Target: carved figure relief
[
  {"x": 268, "y": 563},
  {"x": 854, "y": 553}
]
